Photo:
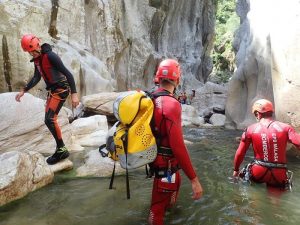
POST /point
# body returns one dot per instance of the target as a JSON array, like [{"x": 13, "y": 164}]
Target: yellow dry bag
[{"x": 134, "y": 141}]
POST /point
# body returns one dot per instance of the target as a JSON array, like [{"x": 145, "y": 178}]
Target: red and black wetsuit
[
  {"x": 168, "y": 129},
  {"x": 59, "y": 82},
  {"x": 269, "y": 140}
]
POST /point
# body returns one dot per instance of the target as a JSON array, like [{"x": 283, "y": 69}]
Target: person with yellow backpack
[
  {"x": 148, "y": 132},
  {"x": 172, "y": 154}
]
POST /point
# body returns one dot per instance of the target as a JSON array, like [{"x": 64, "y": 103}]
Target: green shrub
[{"x": 227, "y": 22}]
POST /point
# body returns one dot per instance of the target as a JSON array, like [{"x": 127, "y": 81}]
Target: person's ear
[{"x": 257, "y": 116}]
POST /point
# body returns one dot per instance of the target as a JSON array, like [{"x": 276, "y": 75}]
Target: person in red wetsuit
[
  {"x": 269, "y": 140},
  {"x": 172, "y": 152},
  {"x": 59, "y": 83}
]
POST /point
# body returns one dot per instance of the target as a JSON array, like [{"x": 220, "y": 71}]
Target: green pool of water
[{"x": 87, "y": 201}]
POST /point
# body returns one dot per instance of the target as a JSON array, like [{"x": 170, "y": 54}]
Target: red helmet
[
  {"x": 262, "y": 106},
  {"x": 168, "y": 69},
  {"x": 30, "y": 42}
]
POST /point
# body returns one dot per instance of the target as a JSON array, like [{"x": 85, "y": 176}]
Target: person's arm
[
  {"x": 294, "y": 137},
  {"x": 173, "y": 125},
  {"x": 58, "y": 64},
  {"x": 181, "y": 154},
  {"x": 179, "y": 149},
  {"x": 197, "y": 188},
  {"x": 34, "y": 80},
  {"x": 240, "y": 154},
  {"x": 172, "y": 119}
]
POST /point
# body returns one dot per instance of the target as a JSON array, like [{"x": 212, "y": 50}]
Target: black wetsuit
[{"x": 59, "y": 82}]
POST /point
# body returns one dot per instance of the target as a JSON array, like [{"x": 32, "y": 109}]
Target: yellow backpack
[
  {"x": 135, "y": 144},
  {"x": 131, "y": 141}
]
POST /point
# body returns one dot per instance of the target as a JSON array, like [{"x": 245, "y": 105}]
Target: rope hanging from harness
[{"x": 112, "y": 177}]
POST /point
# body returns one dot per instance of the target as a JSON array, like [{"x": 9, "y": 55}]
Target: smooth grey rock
[{"x": 21, "y": 173}]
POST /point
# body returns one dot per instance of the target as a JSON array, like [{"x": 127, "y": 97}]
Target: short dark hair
[
  {"x": 167, "y": 81},
  {"x": 264, "y": 115}
]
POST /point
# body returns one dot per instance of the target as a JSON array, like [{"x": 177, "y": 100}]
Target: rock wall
[
  {"x": 286, "y": 62},
  {"x": 266, "y": 57},
  {"x": 109, "y": 44}
]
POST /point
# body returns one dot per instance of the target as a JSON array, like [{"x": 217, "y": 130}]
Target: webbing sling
[{"x": 269, "y": 164}]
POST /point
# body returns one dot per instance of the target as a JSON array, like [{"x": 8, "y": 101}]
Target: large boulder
[
  {"x": 100, "y": 103},
  {"x": 217, "y": 119},
  {"x": 89, "y": 132},
  {"x": 210, "y": 95},
  {"x": 21, "y": 173},
  {"x": 190, "y": 116},
  {"x": 22, "y": 125},
  {"x": 96, "y": 165}
]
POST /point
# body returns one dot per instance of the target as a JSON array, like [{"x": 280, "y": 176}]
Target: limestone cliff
[
  {"x": 267, "y": 57},
  {"x": 109, "y": 44}
]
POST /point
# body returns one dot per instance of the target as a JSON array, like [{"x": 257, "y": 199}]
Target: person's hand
[
  {"x": 75, "y": 100},
  {"x": 235, "y": 173},
  {"x": 197, "y": 188},
  {"x": 19, "y": 96}
]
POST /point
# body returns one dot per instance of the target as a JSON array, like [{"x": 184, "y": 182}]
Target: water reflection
[{"x": 87, "y": 201}]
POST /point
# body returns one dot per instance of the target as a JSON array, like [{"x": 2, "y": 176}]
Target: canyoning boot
[{"x": 60, "y": 154}]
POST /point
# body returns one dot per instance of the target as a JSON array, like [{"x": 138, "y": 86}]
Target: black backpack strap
[
  {"x": 162, "y": 93},
  {"x": 112, "y": 177},
  {"x": 125, "y": 142},
  {"x": 153, "y": 96}
]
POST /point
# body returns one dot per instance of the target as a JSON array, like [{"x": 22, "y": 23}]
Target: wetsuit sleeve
[
  {"x": 294, "y": 137},
  {"x": 174, "y": 129},
  {"x": 56, "y": 61},
  {"x": 241, "y": 151},
  {"x": 34, "y": 80}
]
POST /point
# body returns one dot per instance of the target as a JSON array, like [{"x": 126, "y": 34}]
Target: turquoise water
[{"x": 87, "y": 201}]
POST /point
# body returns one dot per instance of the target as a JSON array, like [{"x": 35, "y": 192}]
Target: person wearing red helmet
[
  {"x": 59, "y": 83},
  {"x": 172, "y": 152},
  {"x": 269, "y": 140}
]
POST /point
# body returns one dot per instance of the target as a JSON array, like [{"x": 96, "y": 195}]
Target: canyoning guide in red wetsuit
[
  {"x": 172, "y": 152},
  {"x": 59, "y": 83},
  {"x": 269, "y": 140}
]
